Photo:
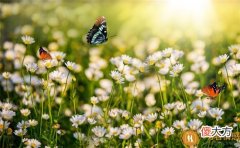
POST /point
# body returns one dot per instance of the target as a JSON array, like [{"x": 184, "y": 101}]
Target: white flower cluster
[{"x": 197, "y": 57}]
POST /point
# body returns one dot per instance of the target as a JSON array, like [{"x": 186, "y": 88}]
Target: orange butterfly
[
  {"x": 44, "y": 55},
  {"x": 213, "y": 90}
]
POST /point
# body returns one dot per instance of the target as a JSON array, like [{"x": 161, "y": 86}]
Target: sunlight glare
[{"x": 188, "y": 11}]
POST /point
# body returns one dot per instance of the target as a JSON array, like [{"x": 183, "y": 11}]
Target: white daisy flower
[
  {"x": 150, "y": 100},
  {"x": 167, "y": 52},
  {"x": 94, "y": 100},
  {"x": 7, "y": 45},
  {"x": 32, "y": 143},
  {"x": 216, "y": 113},
  {"x": 234, "y": 49},
  {"x": 45, "y": 116},
  {"x": 117, "y": 76},
  {"x": 126, "y": 59},
  {"x": 130, "y": 77},
  {"x": 99, "y": 131},
  {"x": 194, "y": 124},
  {"x": 151, "y": 117},
  {"x": 168, "y": 131},
  {"x": 28, "y": 40},
  {"x": 169, "y": 106},
  {"x": 164, "y": 70},
  {"x": 31, "y": 67},
  {"x": 152, "y": 131},
  {"x": 50, "y": 63},
  {"x": 117, "y": 61},
  {"x": 179, "y": 124},
  {"x": 58, "y": 76},
  {"x": 33, "y": 122},
  {"x": 113, "y": 113},
  {"x": 234, "y": 69},
  {"x": 93, "y": 74},
  {"x": 20, "y": 132},
  {"x": 138, "y": 143},
  {"x": 200, "y": 104},
  {"x": 200, "y": 67},
  {"x": 3, "y": 124},
  {"x": 7, "y": 114},
  {"x": 138, "y": 118},
  {"x": 125, "y": 114},
  {"x": 91, "y": 120},
  {"x": 126, "y": 133},
  {"x": 58, "y": 55},
  {"x": 10, "y": 55},
  {"x": 164, "y": 114},
  {"x": 176, "y": 70},
  {"x": 180, "y": 105},
  {"x": 77, "y": 120},
  {"x": 199, "y": 93},
  {"x": 220, "y": 59},
  {"x": 176, "y": 54},
  {"x": 202, "y": 114},
  {"x": 152, "y": 59},
  {"x": 79, "y": 136},
  {"x": 23, "y": 124},
  {"x": 158, "y": 55},
  {"x": 73, "y": 66},
  {"x": 114, "y": 131},
  {"x": 7, "y": 106},
  {"x": 187, "y": 77},
  {"x": 25, "y": 112},
  {"x": 6, "y": 75}
]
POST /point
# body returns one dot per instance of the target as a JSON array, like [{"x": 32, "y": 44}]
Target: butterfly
[
  {"x": 98, "y": 33},
  {"x": 213, "y": 90},
  {"x": 44, "y": 55}
]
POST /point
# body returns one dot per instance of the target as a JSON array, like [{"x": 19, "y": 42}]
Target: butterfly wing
[
  {"x": 44, "y": 55},
  {"x": 211, "y": 90},
  {"x": 98, "y": 33}
]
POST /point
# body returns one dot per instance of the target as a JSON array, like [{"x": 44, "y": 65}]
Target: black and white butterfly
[{"x": 98, "y": 33}]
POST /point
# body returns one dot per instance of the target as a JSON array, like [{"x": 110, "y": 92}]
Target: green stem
[
  {"x": 49, "y": 99},
  {"x": 31, "y": 94},
  {"x": 7, "y": 89},
  {"x": 160, "y": 91},
  {"x": 230, "y": 88},
  {"x": 133, "y": 98},
  {"x": 66, "y": 83},
  {"x": 123, "y": 144},
  {"x": 22, "y": 72},
  {"x": 20, "y": 143},
  {"x": 219, "y": 99},
  {"x": 41, "y": 116},
  {"x": 185, "y": 95}
]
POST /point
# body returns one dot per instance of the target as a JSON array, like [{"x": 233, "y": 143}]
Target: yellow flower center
[{"x": 1, "y": 126}]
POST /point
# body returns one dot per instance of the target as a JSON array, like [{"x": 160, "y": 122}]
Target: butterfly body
[
  {"x": 44, "y": 55},
  {"x": 98, "y": 33},
  {"x": 213, "y": 90}
]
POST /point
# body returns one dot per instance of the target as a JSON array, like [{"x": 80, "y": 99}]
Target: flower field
[{"x": 164, "y": 68}]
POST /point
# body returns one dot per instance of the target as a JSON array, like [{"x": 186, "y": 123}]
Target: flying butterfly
[
  {"x": 44, "y": 55},
  {"x": 98, "y": 33},
  {"x": 213, "y": 90}
]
